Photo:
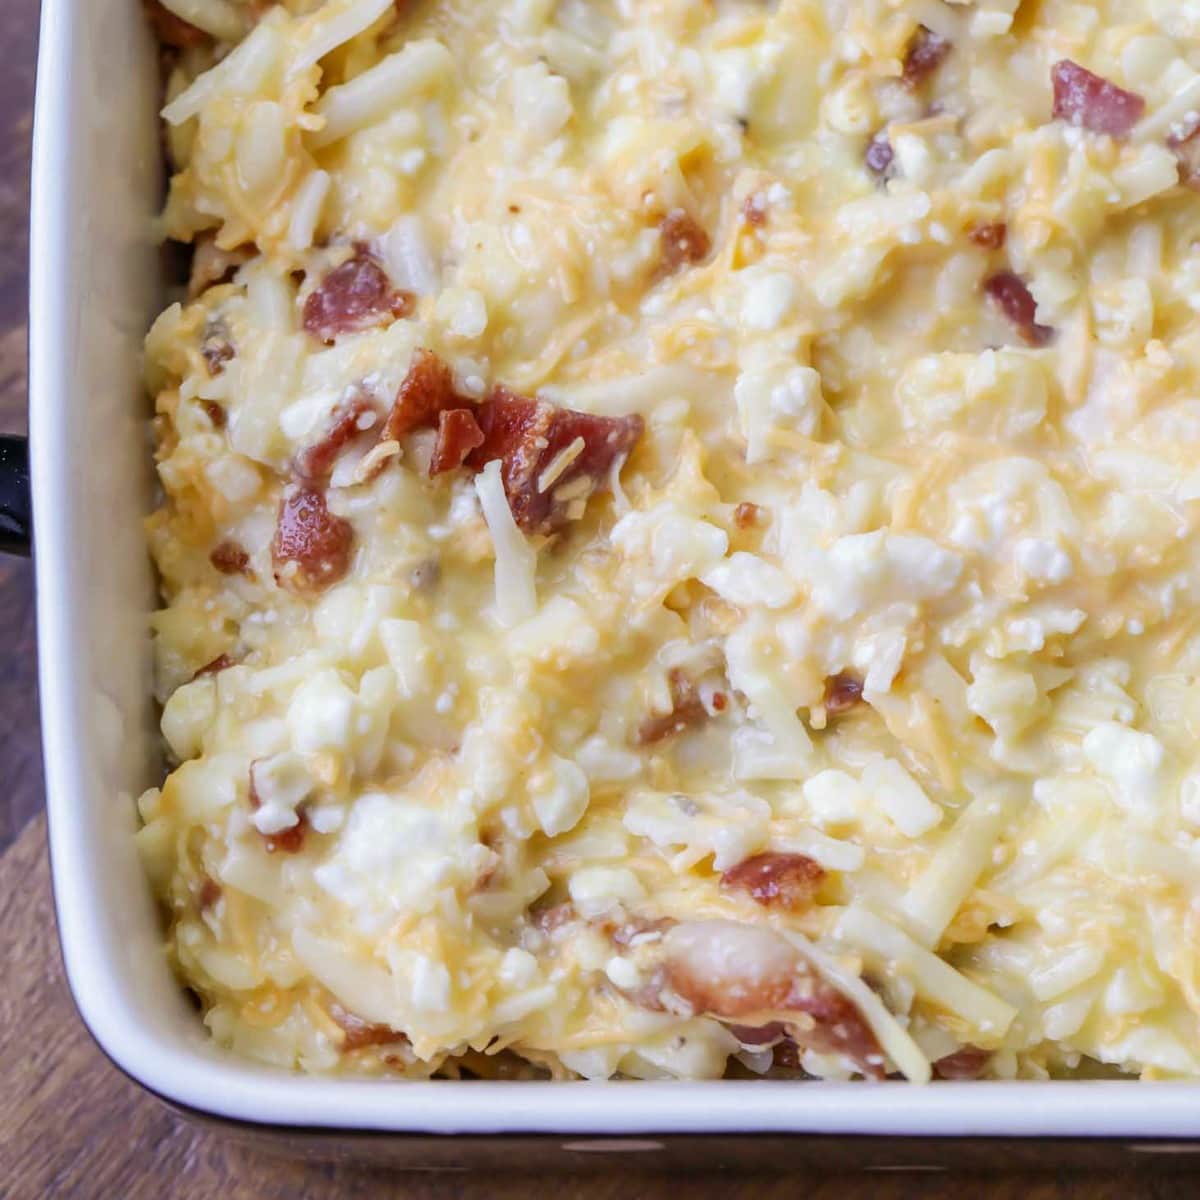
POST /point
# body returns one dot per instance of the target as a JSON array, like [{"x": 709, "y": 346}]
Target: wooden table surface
[{"x": 70, "y": 1125}]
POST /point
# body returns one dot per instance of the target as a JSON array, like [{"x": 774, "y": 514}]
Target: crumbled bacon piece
[
  {"x": 965, "y": 1063},
  {"x": 990, "y": 236},
  {"x": 355, "y": 296},
  {"x": 1091, "y": 102},
  {"x": 926, "y": 51},
  {"x": 843, "y": 692},
  {"x": 172, "y": 30},
  {"x": 216, "y": 355},
  {"x": 879, "y": 155},
  {"x": 638, "y": 929},
  {"x": 777, "y": 880},
  {"x": 288, "y": 841},
  {"x": 549, "y": 920},
  {"x": 212, "y": 265},
  {"x": 426, "y": 391},
  {"x": 351, "y": 417},
  {"x": 838, "y": 1028},
  {"x": 684, "y": 241},
  {"x": 528, "y": 436},
  {"x": 731, "y": 970},
  {"x": 210, "y": 893},
  {"x": 357, "y": 1033},
  {"x": 217, "y": 664},
  {"x": 745, "y": 515},
  {"x": 1186, "y": 148},
  {"x": 785, "y": 1056},
  {"x": 687, "y": 710},
  {"x": 311, "y": 548},
  {"x": 215, "y": 413},
  {"x": 458, "y": 434},
  {"x": 215, "y": 347},
  {"x": 230, "y": 558},
  {"x": 754, "y": 210},
  {"x": 1010, "y": 294}
]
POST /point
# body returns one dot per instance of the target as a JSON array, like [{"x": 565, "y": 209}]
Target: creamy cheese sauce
[{"x": 831, "y": 703}]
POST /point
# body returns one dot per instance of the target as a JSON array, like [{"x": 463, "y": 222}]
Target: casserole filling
[{"x": 678, "y": 537}]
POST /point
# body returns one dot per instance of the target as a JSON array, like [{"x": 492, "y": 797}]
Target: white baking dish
[{"x": 95, "y": 285}]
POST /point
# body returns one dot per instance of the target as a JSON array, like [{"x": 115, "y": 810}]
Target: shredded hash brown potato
[{"x": 679, "y": 536}]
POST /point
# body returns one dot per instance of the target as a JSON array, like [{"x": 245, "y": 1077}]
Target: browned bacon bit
[
  {"x": 426, "y": 391},
  {"x": 311, "y": 548},
  {"x": 843, "y": 692},
  {"x": 458, "y": 434},
  {"x": 990, "y": 236},
  {"x": 172, "y": 30},
  {"x": 535, "y": 440},
  {"x": 210, "y": 893},
  {"x": 350, "y": 418},
  {"x": 215, "y": 413},
  {"x": 966, "y": 1063},
  {"x": 687, "y": 711},
  {"x": 549, "y": 920},
  {"x": 777, "y": 880},
  {"x": 746, "y": 515},
  {"x": 1013, "y": 298},
  {"x": 355, "y": 296},
  {"x": 684, "y": 241},
  {"x": 926, "y": 51},
  {"x": 839, "y": 1028},
  {"x": 1091, "y": 102},
  {"x": 215, "y": 347},
  {"x": 217, "y": 664},
  {"x": 212, "y": 265},
  {"x": 879, "y": 155},
  {"x": 1186, "y": 148},
  {"x": 754, "y": 210},
  {"x": 785, "y": 1056},
  {"x": 287, "y": 841},
  {"x": 634, "y": 929},
  {"x": 357, "y": 1033},
  {"x": 229, "y": 558},
  {"x": 216, "y": 355},
  {"x": 733, "y": 971}
]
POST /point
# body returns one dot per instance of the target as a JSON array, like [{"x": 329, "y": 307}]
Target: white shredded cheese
[{"x": 516, "y": 560}]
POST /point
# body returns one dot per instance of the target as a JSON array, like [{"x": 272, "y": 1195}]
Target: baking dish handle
[{"x": 16, "y": 508}]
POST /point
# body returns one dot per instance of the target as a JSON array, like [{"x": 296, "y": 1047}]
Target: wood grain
[
  {"x": 70, "y": 1124},
  {"x": 20, "y": 750}
]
